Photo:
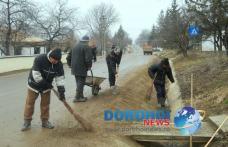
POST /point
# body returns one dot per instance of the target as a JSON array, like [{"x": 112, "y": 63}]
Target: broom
[
  {"x": 149, "y": 92},
  {"x": 85, "y": 124}
]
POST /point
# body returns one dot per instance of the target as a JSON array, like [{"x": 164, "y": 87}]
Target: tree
[
  {"x": 154, "y": 38},
  {"x": 143, "y": 37},
  {"x": 13, "y": 13},
  {"x": 99, "y": 20},
  {"x": 56, "y": 22},
  {"x": 213, "y": 18},
  {"x": 172, "y": 29},
  {"x": 121, "y": 38}
]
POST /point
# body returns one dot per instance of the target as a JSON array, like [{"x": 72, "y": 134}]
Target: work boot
[
  {"x": 80, "y": 98},
  {"x": 47, "y": 124},
  {"x": 26, "y": 126},
  {"x": 83, "y": 99},
  {"x": 75, "y": 100},
  {"x": 77, "y": 97},
  {"x": 114, "y": 91},
  {"x": 158, "y": 105},
  {"x": 163, "y": 106}
]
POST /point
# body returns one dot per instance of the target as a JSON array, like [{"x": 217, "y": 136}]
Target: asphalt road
[{"x": 13, "y": 93}]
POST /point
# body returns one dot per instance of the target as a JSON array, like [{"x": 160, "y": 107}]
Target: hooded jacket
[
  {"x": 158, "y": 73},
  {"x": 43, "y": 72}
]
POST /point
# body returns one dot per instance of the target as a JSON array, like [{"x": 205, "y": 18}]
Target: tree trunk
[
  {"x": 8, "y": 34},
  {"x": 184, "y": 53},
  {"x": 214, "y": 35},
  {"x": 49, "y": 45},
  {"x": 225, "y": 39},
  {"x": 220, "y": 41}
]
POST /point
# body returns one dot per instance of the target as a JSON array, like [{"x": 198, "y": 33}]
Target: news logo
[
  {"x": 187, "y": 120},
  {"x": 147, "y": 117}
]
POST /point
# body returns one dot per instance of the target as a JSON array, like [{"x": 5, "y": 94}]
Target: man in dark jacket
[
  {"x": 80, "y": 61},
  {"x": 113, "y": 61},
  {"x": 45, "y": 68},
  {"x": 158, "y": 73},
  {"x": 94, "y": 52}
]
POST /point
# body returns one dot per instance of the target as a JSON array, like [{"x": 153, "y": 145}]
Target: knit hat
[
  {"x": 165, "y": 61},
  {"x": 85, "y": 38},
  {"x": 113, "y": 46},
  {"x": 56, "y": 54}
]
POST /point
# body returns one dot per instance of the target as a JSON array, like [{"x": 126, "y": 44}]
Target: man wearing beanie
[
  {"x": 80, "y": 61},
  {"x": 45, "y": 68},
  {"x": 158, "y": 73}
]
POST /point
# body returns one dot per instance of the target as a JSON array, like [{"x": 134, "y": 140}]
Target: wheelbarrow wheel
[{"x": 95, "y": 90}]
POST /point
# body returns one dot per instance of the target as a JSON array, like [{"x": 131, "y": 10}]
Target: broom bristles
[{"x": 85, "y": 124}]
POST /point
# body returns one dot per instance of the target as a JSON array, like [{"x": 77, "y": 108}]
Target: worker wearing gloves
[
  {"x": 79, "y": 60},
  {"x": 158, "y": 73},
  {"x": 45, "y": 68},
  {"x": 113, "y": 61}
]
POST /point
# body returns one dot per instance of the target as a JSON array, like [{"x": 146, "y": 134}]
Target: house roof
[{"x": 32, "y": 39}]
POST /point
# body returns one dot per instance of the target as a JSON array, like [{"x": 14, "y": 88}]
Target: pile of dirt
[
  {"x": 131, "y": 93},
  {"x": 210, "y": 76}
]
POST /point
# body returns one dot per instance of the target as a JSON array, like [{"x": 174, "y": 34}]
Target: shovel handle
[{"x": 149, "y": 91}]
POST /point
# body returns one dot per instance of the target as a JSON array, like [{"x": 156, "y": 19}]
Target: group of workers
[{"x": 48, "y": 67}]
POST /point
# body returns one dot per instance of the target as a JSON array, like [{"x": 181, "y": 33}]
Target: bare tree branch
[{"x": 56, "y": 21}]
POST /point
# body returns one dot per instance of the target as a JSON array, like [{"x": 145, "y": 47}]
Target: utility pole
[{"x": 103, "y": 29}]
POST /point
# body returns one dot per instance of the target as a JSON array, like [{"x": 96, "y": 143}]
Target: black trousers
[
  {"x": 80, "y": 82},
  {"x": 111, "y": 74},
  {"x": 161, "y": 93}
]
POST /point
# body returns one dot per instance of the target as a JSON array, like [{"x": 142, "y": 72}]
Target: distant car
[
  {"x": 158, "y": 49},
  {"x": 147, "y": 49}
]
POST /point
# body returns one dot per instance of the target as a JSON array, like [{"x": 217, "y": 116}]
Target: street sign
[{"x": 193, "y": 31}]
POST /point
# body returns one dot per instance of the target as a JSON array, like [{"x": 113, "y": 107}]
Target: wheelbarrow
[{"x": 94, "y": 83}]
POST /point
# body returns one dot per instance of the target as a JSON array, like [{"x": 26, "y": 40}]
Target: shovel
[
  {"x": 115, "y": 90},
  {"x": 86, "y": 125}
]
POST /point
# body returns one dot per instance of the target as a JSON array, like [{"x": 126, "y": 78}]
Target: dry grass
[{"x": 210, "y": 73}]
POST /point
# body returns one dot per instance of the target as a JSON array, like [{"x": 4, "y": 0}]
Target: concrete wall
[
  {"x": 8, "y": 64},
  {"x": 174, "y": 94}
]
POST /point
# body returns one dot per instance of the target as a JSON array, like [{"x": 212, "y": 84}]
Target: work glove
[
  {"x": 62, "y": 97},
  {"x": 61, "y": 90}
]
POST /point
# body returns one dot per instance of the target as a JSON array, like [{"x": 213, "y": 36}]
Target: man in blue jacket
[
  {"x": 45, "y": 68},
  {"x": 158, "y": 73}
]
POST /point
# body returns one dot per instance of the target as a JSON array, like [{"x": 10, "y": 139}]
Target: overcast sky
[{"x": 135, "y": 15}]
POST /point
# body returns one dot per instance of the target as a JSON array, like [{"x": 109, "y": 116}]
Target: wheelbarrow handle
[{"x": 91, "y": 74}]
